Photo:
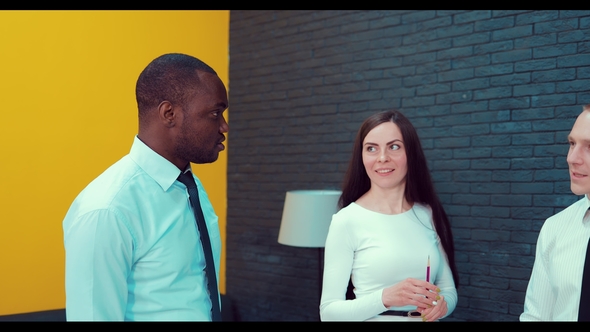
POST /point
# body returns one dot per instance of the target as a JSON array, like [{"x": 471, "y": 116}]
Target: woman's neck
[{"x": 386, "y": 201}]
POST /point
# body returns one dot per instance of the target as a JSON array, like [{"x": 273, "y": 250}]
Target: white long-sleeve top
[{"x": 379, "y": 250}]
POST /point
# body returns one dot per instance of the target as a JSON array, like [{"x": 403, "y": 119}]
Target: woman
[{"x": 392, "y": 237}]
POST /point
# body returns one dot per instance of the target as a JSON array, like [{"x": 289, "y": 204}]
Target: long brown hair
[{"x": 419, "y": 187}]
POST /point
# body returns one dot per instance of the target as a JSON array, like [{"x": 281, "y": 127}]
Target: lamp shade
[{"x": 306, "y": 217}]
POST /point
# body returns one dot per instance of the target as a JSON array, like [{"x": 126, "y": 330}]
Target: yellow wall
[{"x": 67, "y": 82}]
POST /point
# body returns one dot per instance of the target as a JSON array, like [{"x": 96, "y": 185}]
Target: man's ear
[{"x": 167, "y": 114}]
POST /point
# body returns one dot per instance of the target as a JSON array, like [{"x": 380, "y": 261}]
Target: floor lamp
[{"x": 306, "y": 219}]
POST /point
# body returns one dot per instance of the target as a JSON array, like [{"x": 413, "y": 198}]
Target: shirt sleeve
[
  {"x": 446, "y": 283},
  {"x": 98, "y": 261},
  {"x": 539, "y": 299},
  {"x": 339, "y": 254}
]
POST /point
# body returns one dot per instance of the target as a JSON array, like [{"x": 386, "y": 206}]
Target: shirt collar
[
  {"x": 154, "y": 165},
  {"x": 586, "y": 206}
]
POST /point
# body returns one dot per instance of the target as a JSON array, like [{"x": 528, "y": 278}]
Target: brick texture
[{"x": 493, "y": 94}]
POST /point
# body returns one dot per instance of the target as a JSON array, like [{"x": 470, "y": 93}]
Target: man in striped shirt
[{"x": 554, "y": 289}]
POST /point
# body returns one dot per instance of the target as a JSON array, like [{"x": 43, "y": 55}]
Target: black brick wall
[{"x": 493, "y": 94}]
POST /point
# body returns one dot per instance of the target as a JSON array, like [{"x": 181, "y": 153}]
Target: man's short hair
[{"x": 170, "y": 77}]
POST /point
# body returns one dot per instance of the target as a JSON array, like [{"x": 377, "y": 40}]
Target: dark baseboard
[{"x": 59, "y": 315}]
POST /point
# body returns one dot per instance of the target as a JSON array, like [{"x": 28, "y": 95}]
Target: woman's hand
[
  {"x": 414, "y": 292},
  {"x": 435, "y": 312}
]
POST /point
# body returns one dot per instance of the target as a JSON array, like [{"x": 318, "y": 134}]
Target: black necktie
[
  {"x": 189, "y": 182},
  {"x": 584, "y": 310}
]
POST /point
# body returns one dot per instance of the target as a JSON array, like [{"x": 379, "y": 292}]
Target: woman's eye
[
  {"x": 394, "y": 147},
  {"x": 370, "y": 149}
]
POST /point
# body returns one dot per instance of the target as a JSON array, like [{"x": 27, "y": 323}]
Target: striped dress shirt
[{"x": 553, "y": 292}]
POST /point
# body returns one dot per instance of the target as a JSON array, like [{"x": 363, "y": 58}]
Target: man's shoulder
[
  {"x": 574, "y": 206},
  {"x": 120, "y": 168},
  {"x": 110, "y": 181},
  {"x": 568, "y": 211}
]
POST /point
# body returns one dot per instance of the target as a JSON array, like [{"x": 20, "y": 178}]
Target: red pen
[
  {"x": 428, "y": 270},
  {"x": 428, "y": 276}
]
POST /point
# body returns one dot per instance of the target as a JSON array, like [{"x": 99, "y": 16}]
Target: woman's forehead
[{"x": 386, "y": 131}]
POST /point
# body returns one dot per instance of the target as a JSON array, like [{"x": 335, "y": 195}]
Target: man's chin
[
  {"x": 577, "y": 190},
  {"x": 210, "y": 159}
]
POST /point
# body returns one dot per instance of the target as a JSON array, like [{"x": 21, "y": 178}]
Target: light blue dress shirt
[{"x": 133, "y": 250}]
